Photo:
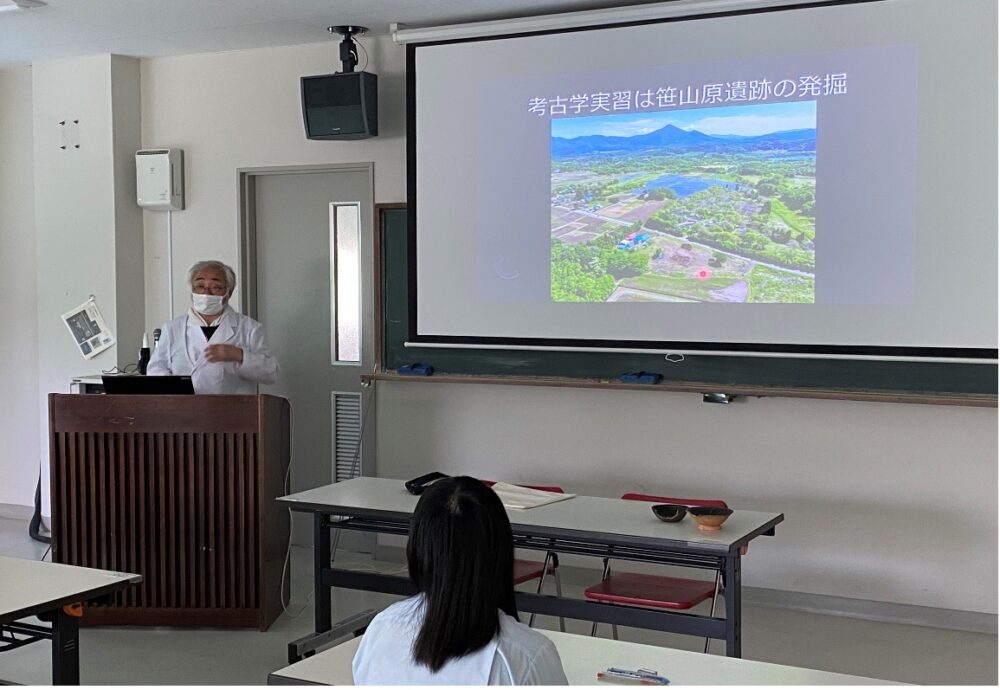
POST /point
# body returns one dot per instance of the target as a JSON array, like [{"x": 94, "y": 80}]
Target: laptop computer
[{"x": 147, "y": 385}]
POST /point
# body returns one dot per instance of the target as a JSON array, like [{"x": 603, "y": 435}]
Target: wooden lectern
[{"x": 180, "y": 489}]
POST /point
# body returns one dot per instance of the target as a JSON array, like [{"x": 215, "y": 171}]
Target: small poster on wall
[{"x": 88, "y": 328}]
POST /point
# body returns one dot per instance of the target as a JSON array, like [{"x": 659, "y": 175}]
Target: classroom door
[{"x": 312, "y": 241}]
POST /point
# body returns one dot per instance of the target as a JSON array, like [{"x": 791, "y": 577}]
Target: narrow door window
[{"x": 345, "y": 283}]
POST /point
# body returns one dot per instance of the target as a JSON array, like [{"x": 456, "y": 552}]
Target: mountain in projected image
[
  {"x": 674, "y": 138},
  {"x": 695, "y": 205}
]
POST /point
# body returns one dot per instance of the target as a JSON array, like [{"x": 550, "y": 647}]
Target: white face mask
[{"x": 207, "y": 304}]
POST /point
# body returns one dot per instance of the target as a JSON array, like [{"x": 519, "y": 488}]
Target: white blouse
[{"x": 517, "y": 656}]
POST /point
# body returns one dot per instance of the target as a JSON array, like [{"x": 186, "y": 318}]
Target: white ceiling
[{"x": 152, "y": 28}]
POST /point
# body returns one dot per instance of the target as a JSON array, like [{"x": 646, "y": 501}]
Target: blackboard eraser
[
  {"x": 415, "y": 370},
  {"x": 645, "y": 377}
]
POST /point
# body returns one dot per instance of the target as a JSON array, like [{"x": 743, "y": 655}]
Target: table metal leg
[
  {"x": 65, "y": 649},
  {"x": 734, "y": 605},
  {"x": 321, "y": 562},
  {"x": 322, "y": 616},
  {"x": 306, "y": 646}
]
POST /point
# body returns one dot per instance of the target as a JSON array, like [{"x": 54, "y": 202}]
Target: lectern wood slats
[
  {"x": 241, "y": 526},
  {"x": 182, "y": 507}
]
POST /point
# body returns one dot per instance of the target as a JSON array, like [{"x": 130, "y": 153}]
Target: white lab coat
[
  {"x": 516, "y": 656},
  {"x": 181, "y": 352}
]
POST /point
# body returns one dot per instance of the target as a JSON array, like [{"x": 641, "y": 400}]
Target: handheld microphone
[{"x": 156, "y": 337}]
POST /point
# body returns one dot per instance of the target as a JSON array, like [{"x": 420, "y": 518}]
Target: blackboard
[{"x": 971, "y": 384}]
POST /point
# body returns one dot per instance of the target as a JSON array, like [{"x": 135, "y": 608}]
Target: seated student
[{"x": 462, "y": 628}]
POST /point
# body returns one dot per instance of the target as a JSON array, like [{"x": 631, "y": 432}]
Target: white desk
[
  {"x": 632, "y": 521},
  {"x": 584, "y": 525},
  {"x": 35, "y": 588},
  {"x": 583, "y": 657}
]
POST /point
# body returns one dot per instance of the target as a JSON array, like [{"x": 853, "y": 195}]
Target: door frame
[
  {"x": 247, "y": 228},
  {"x": 247, "y": 224},
  {"x": 246, "y": 218}
]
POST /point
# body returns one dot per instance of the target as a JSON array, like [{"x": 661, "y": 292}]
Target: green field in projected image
[{"x": 701, "y": 205}]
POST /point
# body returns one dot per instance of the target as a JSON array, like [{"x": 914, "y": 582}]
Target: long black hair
[{"x": 461, "y": 558}]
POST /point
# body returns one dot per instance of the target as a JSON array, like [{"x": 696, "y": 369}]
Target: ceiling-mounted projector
[{"x": 342, "y": 105}]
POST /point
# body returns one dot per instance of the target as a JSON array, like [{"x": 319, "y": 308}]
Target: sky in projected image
[{"x": 699, "y": 205}]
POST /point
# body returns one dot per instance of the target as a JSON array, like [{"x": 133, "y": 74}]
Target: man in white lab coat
[{"x": 221, "y": 350}]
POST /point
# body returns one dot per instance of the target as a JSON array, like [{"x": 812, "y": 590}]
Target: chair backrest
[
  {"x": 689, "y": 502},
  {"x": 552, "y": 489}
]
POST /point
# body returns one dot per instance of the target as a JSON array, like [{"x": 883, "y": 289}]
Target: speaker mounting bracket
[{"x": 348, "y": 49}]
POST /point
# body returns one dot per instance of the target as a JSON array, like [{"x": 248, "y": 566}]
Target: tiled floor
[{"x": 171, "y": 656}]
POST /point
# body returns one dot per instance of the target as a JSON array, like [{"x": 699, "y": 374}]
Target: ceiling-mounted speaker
[{"x": 340, "y": 106}]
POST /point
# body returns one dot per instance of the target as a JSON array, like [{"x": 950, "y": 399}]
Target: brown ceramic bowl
[{"x": 710, "y": 519}]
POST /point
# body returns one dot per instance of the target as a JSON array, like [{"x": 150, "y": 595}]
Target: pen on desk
[
  {"x": 613, "y": 678},
  {"x": 642, "y": 676}
]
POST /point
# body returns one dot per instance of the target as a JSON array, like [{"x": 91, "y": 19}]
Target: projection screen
[{"x": 819, "y": 180}]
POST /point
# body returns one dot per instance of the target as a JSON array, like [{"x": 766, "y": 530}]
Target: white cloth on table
[{"x": 522, "y": 497}]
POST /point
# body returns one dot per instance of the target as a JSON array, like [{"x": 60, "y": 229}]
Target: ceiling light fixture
[{"x": 21, "y": 5}]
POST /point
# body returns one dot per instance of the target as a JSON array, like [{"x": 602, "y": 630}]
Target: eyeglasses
[{"x": 203, "y": 288}]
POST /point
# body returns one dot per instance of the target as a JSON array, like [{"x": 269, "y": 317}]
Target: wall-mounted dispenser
[{"x": 159, "y": 179}]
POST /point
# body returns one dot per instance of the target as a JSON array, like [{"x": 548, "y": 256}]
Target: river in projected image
[
  {"x": 699, "y": 205},
  {"x": 683, "y": 185}
]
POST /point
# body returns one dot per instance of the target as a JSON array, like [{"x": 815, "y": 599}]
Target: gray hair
[{"x": 218, "y": 265}]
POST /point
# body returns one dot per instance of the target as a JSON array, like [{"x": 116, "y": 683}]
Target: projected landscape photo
[{"x": 699, "y": 205}]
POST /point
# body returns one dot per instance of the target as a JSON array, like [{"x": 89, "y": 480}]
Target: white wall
[
  {"x": 86, "y": 238},
  {"x": 885, "y": 502},
  {"x": 882, "y": 501},
  {"x": 130, "y": 302},
  {"x": 19, "y": 423},
  {"x": 239, "y": 110}
]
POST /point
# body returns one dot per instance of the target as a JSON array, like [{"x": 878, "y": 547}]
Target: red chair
[
  {"x": 656, "y": 591},
  {"x": 526, "y": 570}
]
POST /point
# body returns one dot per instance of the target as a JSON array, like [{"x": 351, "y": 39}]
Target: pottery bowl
[
  {"x": 710, "y": 519},
  {"x": 668, "y": 512}
]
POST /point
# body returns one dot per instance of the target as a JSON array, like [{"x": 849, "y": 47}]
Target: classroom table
[
  {"x": 582, "y": 657},
  {"x": 37, "y": 588},
  {"x": 584, "y": 525}
]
